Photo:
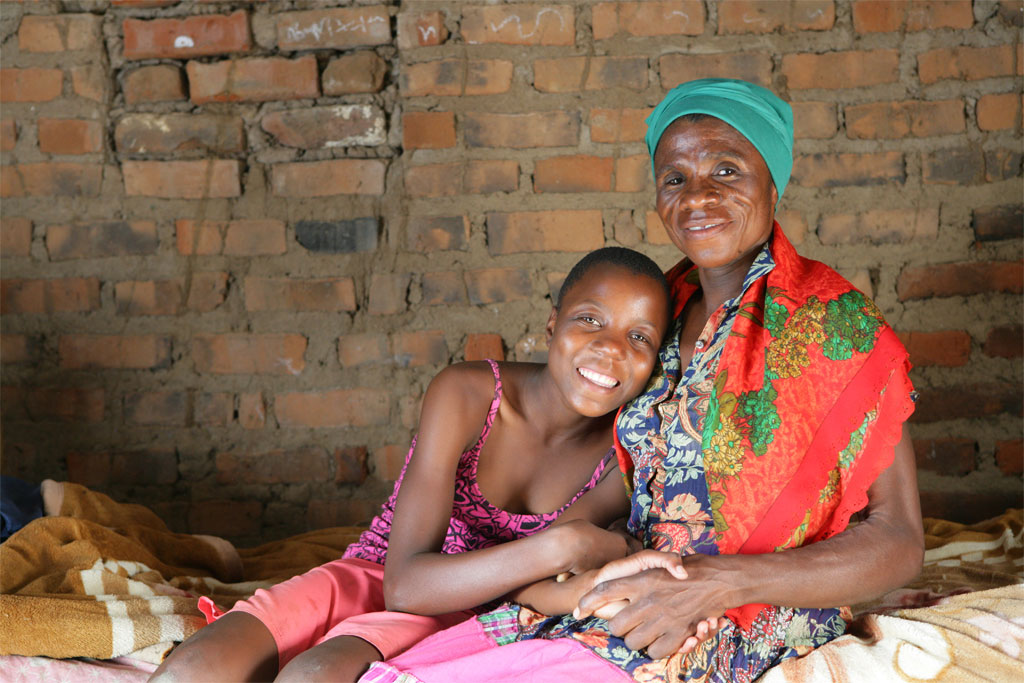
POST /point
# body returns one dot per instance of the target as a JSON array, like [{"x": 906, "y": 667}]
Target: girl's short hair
[{"x": 629, "y": 259}]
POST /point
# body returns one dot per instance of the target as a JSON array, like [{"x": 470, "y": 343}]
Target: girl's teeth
[{"x": 598, "y": 378}]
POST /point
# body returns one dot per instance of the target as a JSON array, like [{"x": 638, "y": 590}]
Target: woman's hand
[{"x": 657, "y": 610}]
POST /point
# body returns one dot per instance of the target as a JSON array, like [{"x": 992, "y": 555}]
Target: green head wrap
[{"x": 757, "y": 113}]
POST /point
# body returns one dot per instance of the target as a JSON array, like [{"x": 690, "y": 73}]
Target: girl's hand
[
  {"x": 628, "y": 566},
  {"x": 588, "y": 546}
]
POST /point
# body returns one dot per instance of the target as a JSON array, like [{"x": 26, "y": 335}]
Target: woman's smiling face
[{"x": 715, "y": 194}]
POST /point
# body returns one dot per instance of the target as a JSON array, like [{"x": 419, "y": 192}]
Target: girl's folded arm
[{"x": 418, "y": 578}]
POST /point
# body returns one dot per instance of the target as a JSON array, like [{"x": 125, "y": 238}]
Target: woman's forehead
[{"x": 706, "y": 137}]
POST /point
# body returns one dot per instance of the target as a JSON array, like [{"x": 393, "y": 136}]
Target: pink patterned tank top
[{"x": 475, "y": 522}]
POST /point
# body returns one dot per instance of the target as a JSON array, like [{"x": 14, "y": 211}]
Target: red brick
[
  {"x": 814, "y": 120},
  {"x": 454, "y": 77},
  {"x": 834, "y": 170},
  {"x": 415, "y": 349},
  {"x": 409, "y": 407},
  {"x": 519, "y": 24},
  {"x": 30, "y": 85},
  {"x": 63, "y": 295},
  {"x": 15, "y": 236},
  {"x": 885, "y": 16},
  {"x": 200, "y": 179},
  {"x": 157, "y": 83},
  {"x": 498, "y": 285},
  {"x": 1006, "y": 341},
  {"x": 14, "y": 400},
  {"x": 324, "y": 514},
  {"x": 275, "y": 467},
  {"x": 343, "y": 125},
  {"x": 648, "y": 18},
  {"x": 1011, "y": 12},
  {"x": 966, "y": 63},
  {"x": 859, "y": 278},
  {"x": 121, "y": 352},
  {"x": 90, "y": 81},
  {"x": 214, "y": 410},
  {"x": 1002, "y": 164},
  {"x": 905, "y": 119},
  {"x": 333, "y": 28},
  {"x": 362, "y": 349},
  {"x": 53, "y": 178},
  {"x": 15, "y": 348},
  {"x": 572, "y": 74},
  {"x": 794, "y": 225},
  {"x": 89, "y": 469},
  {"x": 173, "y": 134},
  {"x": 755, "y": 67},
  {"x": 101, "y": 239},
  {"x": 163, "y": 408},
  {"x": 338, "y": 237},
  {"x": 618, "y": 125},
  {"x": 194, "y": 36},
  {"x": 65, "y": 404},
  {"x": 64, "y": 33},
  {"x": 361, "y": 407},
  {"x": 437, "y": 233},
  {"x": 963, "y": 166},
  {"x": 632, "y": 173},
  {"x": 999, "y": 112},
  {"x": 232, "y": 238},
  {"x": 388, "y": 293},
  {"x": 253, "y": 80},
  {"x": 356, "y": 73},
  {"x": 207, "y": 291},
  {"x": 428, "y": 130},
  {"x": 481, "y": 346},
  {"x": 144, "y": 467},
  {"x": 249, "y": 354},
  {"x": 350, "y": 465},
  {"x": 967, "y": 401},
  {"x": 226, "y": 518},
  {"x": 470, "y": 177},
  {"x": 998, "y": 223},
  {"x": 947, "y": 456},
  {"x": 544, "y": 231},
  {"x": 959, "y": 279},
  {"x": 149, "y": 297},
  {"x": 388, "y": 461},
  {"x": 880, "y": 226},
  {"x": 948, "y": 348},
  {"x": 579, "y": 173},
  {"x": 291, "y": 294},
  {"x": 421, "y": 29},
  {"x": 70, "y": 136},
  {"x": 8, "y": 135},
  {"x": 521, "y": 131},
  {"x": 848, "y": 69},
  {"x": 749, "y": 16},
  {"x": 443, "y": 288},
  {"x": 654, "y": 229},
  {"x": 490, "y": 176},
  {"x": 1010, "y": 457},
  {"x": 328, "y": 178}
]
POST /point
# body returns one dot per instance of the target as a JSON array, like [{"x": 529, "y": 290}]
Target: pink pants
[{"x": 340, "y": 598}]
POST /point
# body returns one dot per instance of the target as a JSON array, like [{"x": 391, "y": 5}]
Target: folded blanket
[{"x": 107, "y": 579}]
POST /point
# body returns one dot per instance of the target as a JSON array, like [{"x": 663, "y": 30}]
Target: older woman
[{"x": 776, "y": 412}]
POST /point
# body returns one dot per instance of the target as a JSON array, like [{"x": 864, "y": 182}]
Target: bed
[{"x": 104, "y": 590}]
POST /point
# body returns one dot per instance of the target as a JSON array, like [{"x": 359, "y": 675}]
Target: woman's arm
[
  {"x": 881, "y": 553},
  {"x": 418, "y": 578}
]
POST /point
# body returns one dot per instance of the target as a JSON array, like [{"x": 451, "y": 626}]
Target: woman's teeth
[
  {"x": 698, "y": 228},
  {"x": 598, "y": 378}
]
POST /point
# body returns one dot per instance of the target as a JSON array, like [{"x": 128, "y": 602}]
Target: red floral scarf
[{"x": 810, "y": 398}]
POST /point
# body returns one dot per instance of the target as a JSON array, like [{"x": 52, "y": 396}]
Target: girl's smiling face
[
  {"x": 715, "y": 194},
  {"x": 603, "y": 338}
]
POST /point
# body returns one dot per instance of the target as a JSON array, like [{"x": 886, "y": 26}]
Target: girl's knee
[{"x": 344, "y": 658}]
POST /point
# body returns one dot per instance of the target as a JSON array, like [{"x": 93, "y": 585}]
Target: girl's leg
[
  {"x": 236, "y": 647},
  {"x": 344, "y": 658}
]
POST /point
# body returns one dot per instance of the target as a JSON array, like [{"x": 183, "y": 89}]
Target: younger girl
[{"x": 503, "y": 450}]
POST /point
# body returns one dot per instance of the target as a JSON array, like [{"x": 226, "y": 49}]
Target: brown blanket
[{"x": 106, "y": 579}]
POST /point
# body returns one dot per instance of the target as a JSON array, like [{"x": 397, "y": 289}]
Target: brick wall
[{"x": 238, "y": 239}]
